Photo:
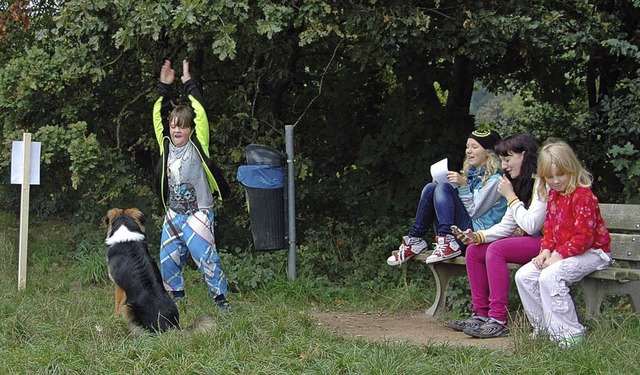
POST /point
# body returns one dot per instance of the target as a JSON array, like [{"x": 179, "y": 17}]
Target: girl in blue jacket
[{"x": 469, "y": 201}]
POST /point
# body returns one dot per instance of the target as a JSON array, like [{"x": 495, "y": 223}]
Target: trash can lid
[{"x": 261, "y": 154}]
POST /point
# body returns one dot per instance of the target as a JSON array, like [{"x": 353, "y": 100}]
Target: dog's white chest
[{"x": 123, "y": 234}]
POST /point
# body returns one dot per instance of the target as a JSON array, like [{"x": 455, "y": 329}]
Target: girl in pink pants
[
  {"x": 490, "y": 278},
  {"x": 516, "y": 239}
]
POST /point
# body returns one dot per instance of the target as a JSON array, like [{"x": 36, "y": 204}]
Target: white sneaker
[
  {"x": 410, "y": 246},
  {"x": 570, "y": 342}
]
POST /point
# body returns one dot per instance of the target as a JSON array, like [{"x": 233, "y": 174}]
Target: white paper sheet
[
  {"x": 17, "y": 154},
  {"x": 439, "y": 171}
]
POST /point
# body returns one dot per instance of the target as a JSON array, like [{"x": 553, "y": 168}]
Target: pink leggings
[{"x": 489, "y": 275}]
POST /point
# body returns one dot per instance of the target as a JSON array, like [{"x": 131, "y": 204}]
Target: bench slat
[
  {"x": 625, "y": 247},
  {"x": 459, "y": 261},
  {"x": 618, "y": 274},
  {"x": 621, "y": 217}
]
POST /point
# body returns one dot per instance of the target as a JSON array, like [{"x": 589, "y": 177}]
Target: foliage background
[{"x": 377, "y": 90}]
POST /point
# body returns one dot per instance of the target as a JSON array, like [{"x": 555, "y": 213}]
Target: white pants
[{"x": 545, "y": 293}]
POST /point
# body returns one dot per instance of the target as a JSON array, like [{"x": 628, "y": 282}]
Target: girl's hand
[
  {"x": 468, "y": 237},
  {"x": 456, "y": 178},
  {"x": 166, "y": 73},
  {"x": 541, "y": 258},
  {"x": 505, "y": 188},
  {"x": 552, "y": 259},
  {"x": 186, "y": 75}
]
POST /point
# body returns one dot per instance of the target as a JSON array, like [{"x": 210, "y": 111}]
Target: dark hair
[{"x": 519, "y": 143}]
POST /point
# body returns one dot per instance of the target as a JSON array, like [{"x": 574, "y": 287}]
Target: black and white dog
[{"x": 140, "y": 296}]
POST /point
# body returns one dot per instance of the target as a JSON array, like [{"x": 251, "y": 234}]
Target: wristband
[{"x": 513, "y": 200}]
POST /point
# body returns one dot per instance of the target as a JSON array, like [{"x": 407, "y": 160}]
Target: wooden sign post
[
  {"x": 25, "y": 170},
  {"x": 24, "y": 211}
]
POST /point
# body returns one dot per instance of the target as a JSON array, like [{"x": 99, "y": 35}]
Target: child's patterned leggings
[{"x": 192, "y": 233}]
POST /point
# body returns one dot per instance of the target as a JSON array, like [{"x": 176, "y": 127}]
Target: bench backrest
[{"x": 623, "y": 222}]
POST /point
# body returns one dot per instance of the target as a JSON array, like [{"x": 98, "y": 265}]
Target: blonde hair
[
  {"x": 561, "y": 154},
  {"x": 493, "y": 165}
]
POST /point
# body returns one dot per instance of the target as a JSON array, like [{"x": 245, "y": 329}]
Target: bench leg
[
  {"x": 593, "y": 296},
  {"x": 595, "y": 290},
  {"x": 442, "y": 273},
  {"x": 634, "y": 296}
]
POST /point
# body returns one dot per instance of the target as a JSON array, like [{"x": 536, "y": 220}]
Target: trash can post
[{"x": 291, "y": 202}]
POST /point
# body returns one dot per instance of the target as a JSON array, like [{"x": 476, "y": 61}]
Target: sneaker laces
[
  {"x": 439, "y": 248},
  {"x": 407, "y": 247},
  {"x": 436, "y": 249},
  {"x": 400, "y": 254}
]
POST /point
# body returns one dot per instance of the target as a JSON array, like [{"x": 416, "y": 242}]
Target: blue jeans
[{"x": 440, "y": 206}]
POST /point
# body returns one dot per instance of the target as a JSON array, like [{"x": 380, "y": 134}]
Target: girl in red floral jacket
[{"x": 575, "y": 243}]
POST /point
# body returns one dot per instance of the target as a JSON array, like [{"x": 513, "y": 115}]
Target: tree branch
[
  {"x": 124, "y": 113},
  {"x": 326, "y": 68}
]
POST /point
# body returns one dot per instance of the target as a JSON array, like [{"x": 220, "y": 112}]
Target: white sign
[{"x": 17, "y": 155}]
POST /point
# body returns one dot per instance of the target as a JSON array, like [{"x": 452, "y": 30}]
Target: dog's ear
[
  {"x": 112, "y": 213},
  {"x": 143, "y": 219}
]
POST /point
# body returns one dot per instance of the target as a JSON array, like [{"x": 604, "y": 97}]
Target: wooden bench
[{"x": 621, "y": 278}]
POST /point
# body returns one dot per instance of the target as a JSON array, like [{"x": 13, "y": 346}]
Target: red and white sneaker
[
  {"x": 446, "y": 248},
  {"x": 410, "y": 246}
]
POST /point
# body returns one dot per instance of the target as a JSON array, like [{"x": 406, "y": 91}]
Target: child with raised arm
[
  {"x": 475, "y": 203},
  {"x": 188, "y": 188},
  {"x": 575, "y": 243}
]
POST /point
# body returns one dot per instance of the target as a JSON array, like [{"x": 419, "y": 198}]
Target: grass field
[{"x": 63, "y": 323}]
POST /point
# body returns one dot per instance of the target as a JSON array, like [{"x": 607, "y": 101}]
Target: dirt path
[{"x": 415, "y": 328}]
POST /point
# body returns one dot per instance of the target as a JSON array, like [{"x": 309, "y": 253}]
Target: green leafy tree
[{"x": 378, "y": 91}]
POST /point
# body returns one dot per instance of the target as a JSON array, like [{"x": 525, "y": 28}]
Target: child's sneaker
[
  {"x": 473, "y": 321},
  {"x": 446, "y": 248},
  {"x": 410, "y": 246},
  {"x": 224, "y": 306},
  {"x": 570, "y": 342},
  {"x": 492, "y": 328},
  {"x": 177, "y": 295}
]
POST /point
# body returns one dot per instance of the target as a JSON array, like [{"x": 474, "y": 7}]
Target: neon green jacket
[{"x": 199, "y": 137}]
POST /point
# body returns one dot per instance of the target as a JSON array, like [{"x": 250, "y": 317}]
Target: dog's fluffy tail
[{"x": 202, "y": 324}]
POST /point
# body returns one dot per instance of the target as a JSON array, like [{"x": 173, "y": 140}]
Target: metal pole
[{"x": 292, "y": 202}]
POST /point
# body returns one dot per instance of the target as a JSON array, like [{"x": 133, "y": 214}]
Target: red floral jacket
[{"x": 573, "y": 224}]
